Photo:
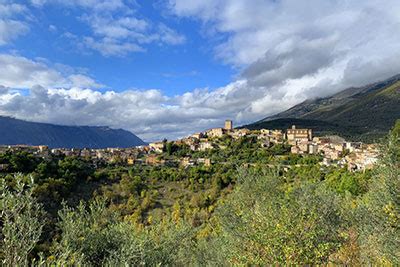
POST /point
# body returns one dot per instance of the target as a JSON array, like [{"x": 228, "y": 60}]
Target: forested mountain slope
[{"x": 364, "y": 113}]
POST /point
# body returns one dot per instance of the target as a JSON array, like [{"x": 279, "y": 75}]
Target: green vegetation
[{"x": 253, "y": 206}]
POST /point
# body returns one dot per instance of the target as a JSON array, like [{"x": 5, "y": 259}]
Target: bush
[
  {"x": 263, "y": 222},
  {"x": 94, "y": 236}
]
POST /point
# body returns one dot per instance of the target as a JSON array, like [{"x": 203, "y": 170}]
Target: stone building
[
  {"x": 295, "y": 136},
  {"x": 228, "y": 125},
  {"x": 216, "y": 132},
  {"x": 238, "y": 133}
]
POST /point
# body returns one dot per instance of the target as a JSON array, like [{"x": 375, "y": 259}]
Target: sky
[{"x": 169, "y": 68}]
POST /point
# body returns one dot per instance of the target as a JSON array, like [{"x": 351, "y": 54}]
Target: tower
[{"x": 228, "y": 125}]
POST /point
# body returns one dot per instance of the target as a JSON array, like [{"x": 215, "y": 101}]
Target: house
[
  {"x": 187, "y": 161},
  {"x": 312, "y": 148},
  {"x": 157, "y": 147},
  {"x": 238, "y": 133},
  {"x": 216, "y": 132},
  {"x": 197, "y": 135},
  {"x": 154, "y": 160},
  {"x": 206, "y": 145},
  {"x": 130, "y": 161},
  {"x": 277, "y": 136}
]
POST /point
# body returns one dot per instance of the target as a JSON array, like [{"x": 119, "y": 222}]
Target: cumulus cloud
[
  {"x": 285, "y": 52},
  {"x": 22, "y": 73},
  {"x": 290, "y": 46},
  {"x": 62, "y": 98},
  {"x": 148, "y": 113}
]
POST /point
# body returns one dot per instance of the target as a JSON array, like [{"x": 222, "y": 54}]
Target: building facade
[{"x": 295, "y": 136}]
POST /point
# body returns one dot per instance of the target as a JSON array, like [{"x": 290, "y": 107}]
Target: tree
[
  {"x": 265, "y": 222},
  {"x": 21, "y": 222},
  {"x": 378, "y": 218},
  {"x": 92, "y": 235}
]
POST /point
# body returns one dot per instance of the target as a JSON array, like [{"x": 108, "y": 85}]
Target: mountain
[
  {"x": 13, "y": 132},
  {"x": 364, "y": 113}
]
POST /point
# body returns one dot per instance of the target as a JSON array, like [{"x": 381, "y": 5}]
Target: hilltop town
[{"x": 333, "y": 150}]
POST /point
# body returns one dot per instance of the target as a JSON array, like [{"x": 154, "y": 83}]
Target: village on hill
[{"x": 334, "y": 150}]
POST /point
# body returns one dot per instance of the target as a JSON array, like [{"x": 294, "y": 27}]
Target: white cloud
[
  {"x": 11, "y": 27},
  {"x": 119, "y": 35},
  {"x": 93, "y": 4},
  {"x": 9, "y": 9},
  {"x": 80, "y": 80},
  {"x": 112, "y": 47},
  {"x": 148, "y": 113},
  {"x": 22, "y": 73},
  {"x": 290, "y": 50},
  {"x": 117, "y": 28},
  {"x": 286, "y": 51}
]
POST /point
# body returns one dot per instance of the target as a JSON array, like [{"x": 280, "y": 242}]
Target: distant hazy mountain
[
  {"x": 13, "y": 131},
  {"x": 363, "y": 113}
]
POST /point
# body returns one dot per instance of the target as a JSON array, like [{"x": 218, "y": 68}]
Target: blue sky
[
  {"x": 168, "y": 68},
  {"x": 174, "y": 68}
]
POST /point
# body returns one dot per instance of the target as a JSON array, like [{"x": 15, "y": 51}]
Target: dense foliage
[{"x": 252, "y": 206}]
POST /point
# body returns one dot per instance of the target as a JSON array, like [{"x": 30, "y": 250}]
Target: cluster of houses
[
  {"x": 207, "y": 140},
  {"x": 334, "y": 149},
  {"x": 96, "y": 155},
  {"x": 128, "y": 156}
]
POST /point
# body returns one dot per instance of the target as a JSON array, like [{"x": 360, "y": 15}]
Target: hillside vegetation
[{"x": 278, "y": 209}]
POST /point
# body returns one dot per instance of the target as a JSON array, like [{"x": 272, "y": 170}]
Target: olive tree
[
  {"x": 21, "y": 221},
  {"x": 378, "y": 217}
]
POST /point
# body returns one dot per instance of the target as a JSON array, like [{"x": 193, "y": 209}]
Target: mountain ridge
[
  {"x": 359, "y": 113},
  {"x": 14, "y": 131}
]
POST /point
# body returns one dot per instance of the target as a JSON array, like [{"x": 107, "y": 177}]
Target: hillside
[
  {"x": 13, "y": 131},
  {"x": 364, "y": 113}
]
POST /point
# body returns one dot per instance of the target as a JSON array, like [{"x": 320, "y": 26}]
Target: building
[
  {"x": 158, "y": 147},
  {"x": 206, "y": 145},
  {"x": 277, "y": 136},
  {"x": 238, "y": 133},
  {"x": 187, "y": 161},
  {"x": 197, "y": 135},
  {"x": 294, "y": 135},
  {"x": 207, "y": 162},
  {"x": 130, "y": 161},
  {"x": 216, "y": 132},
  {"x": 312, "y": 148},
  {"x": 228, "y": 125},
  {"x": 154, "y": 160}
]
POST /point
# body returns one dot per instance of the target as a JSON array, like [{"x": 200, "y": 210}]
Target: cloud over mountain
[{"x": 283, "y": 52}]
